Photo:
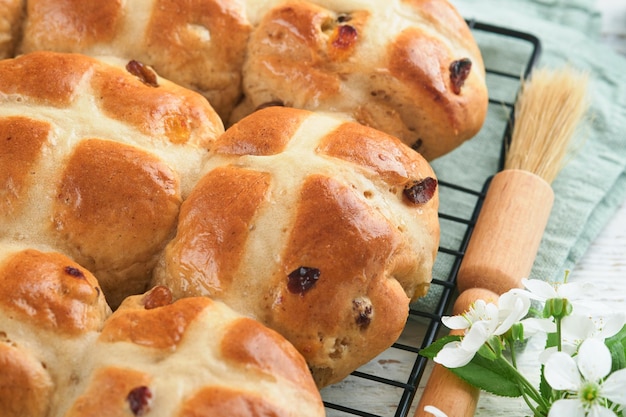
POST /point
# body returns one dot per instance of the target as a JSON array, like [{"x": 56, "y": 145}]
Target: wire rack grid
[{"x": 389, "y": 385}]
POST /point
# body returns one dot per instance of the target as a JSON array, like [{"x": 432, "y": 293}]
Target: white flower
[
  {"x": 580, "y": 327},
  {"x": 576, "y": 327},
  {"x": 480, "y": 322},
  {"x": 512, "y": 308},
  {"x": 542, "y": 291},
  {"x": 430, "y": 409},
  {"x": 480, "y": 311},
  {"x": 584, "y": 383}
]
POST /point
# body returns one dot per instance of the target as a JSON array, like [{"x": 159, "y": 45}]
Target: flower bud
[
  {"x": 517, "y": 331},
  {"x": 492, "y": 349},
  {"x": 557, "y": 308}
]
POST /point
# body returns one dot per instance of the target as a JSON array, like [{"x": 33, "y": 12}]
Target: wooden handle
[
  {"x": 445, "y": 390},
  {"x": 506, "y": 238},
  {"x": 501, "y": 251}
]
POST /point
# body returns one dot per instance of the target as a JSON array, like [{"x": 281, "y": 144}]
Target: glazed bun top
[
  {"x": 96, "y": 158},
  {"x": 197, "y": 44},
  {"x": 319, "y": 227},
  {"x": 410, "y": 68},
  {"x": 65, "y": 354}
]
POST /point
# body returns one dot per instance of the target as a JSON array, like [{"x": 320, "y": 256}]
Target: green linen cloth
[{"x": 593, "y": 183}]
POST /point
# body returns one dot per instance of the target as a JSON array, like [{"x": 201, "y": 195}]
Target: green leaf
[
  {"x": 494, "y": 376},
  {"x": 617, "y": 347},
  {"x": 431, "y": 351},
  {"x": 544, "y": 388},
  {"x": 488, "y": 351},
  {"x": 552, "y": 340}
]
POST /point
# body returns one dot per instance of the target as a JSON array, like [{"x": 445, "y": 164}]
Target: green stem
[
  {"x": 513, "y": 353},
  {"x": 527, "y": 388},
  {"x": 559, "y": 344}
]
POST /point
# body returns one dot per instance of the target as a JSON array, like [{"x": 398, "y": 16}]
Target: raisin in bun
[
  {"x": 197, "y": 44},
  {"x": 96, "y": 159},
  {"x": 410, "y": 68},
  {"x": 51, "y": 310},
  {"x": 193, "y": 357},
  {"x": 320, "y": 228}
]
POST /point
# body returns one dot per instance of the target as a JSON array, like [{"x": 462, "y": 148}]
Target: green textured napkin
[{"x": 593, "y": 183}]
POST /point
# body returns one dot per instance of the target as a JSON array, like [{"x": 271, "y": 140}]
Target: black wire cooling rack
[{"x": 389, "y": 384}]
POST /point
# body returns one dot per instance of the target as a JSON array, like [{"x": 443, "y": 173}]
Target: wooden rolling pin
[
  {"x": 445, "y": 390},
  {"x": 508, "y": 232}
]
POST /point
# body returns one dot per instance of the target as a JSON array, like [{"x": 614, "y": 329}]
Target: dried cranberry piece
[
  {"x": 420, "y": 192},
  {"x": 459, "y": 71},
  {"x": 139, "y": 400},
  {"x": 346, "y": 37},
  {"x": 159, "y": 296},
  {"x": 75, "y": 272},
  {"x": 302, "y": 279},
  {"x": 363, "y": 312},
  {"x": 144, "y": 73}
]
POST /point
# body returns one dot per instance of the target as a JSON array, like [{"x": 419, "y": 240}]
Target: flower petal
[
  {"x": 533, "y": 325},
  {"x": 570, "y": 408},
  {"x": 573, "y": 290},
  {"x": 597, "y": 410},
  {"x": 545, "y": 355},
  {"x": 434, "y": 411},
  {"x": 576, "y": 327},
  {"x": 455, "y": 322},
  {"x": 613, "y": 387},
  {"x": 561, "y": 372},
  {"x": 476, "y": 337},
  {"x": 453, "y": 355},
  {"x": 540, "y": 290},
  {"x": 609, "y": 325},
  {"x": 594, "y": 359},
  {"x": 514, "y": 307},
  {"x": 483, "y": 311}
]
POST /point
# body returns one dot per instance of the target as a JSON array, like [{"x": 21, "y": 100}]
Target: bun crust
[
  {"x": 175, "y": 265},
  {"x": 308, "y": 229},
  {"x": 51, "y": 308},
  {"x": 63, "y": 353},
  {"x": 95, "y": 162},
  {"x": 410, "y": 68},
  {"x": 10, "y": 23},
  {"x": 198, "y": 44}
]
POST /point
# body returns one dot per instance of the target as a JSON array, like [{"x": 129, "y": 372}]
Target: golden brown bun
[
  {"x": 410, "y": 68},
  {"x": 193, "y": 357},
  {"x": 62, "y": 353},
  {"x": 307, "y": 223},
  {"x": 198, "y": 44},
  {"x": 51, "y": 309},
  {"x": 95, "y": 161},
  {"x": 400, "y": 66},
  {"x": 10, "y": 24}
]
